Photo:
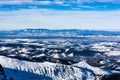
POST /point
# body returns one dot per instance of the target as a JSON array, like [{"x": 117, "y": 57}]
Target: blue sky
[{"x": 60, "y": 14}]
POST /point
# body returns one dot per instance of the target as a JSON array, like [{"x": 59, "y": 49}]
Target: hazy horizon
[{"x": 115, "y": 30}]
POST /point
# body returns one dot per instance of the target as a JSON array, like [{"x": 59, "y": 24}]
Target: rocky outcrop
[
  {"x": 2, "y": 74},
  {"x": 114, "y": 76}
]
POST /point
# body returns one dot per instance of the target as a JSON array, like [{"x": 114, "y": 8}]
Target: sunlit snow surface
[{"x": 60, "y": 59}]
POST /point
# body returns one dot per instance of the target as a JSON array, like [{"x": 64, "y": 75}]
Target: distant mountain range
[{"x": 38, "y": 33}]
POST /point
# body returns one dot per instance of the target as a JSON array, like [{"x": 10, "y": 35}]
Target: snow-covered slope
[{"x": 24, "y": 70}]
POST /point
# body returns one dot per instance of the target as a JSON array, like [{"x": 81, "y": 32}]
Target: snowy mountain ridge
[{"x": 80, "y": 71}]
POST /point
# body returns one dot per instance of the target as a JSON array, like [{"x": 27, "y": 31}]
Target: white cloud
[
  {"x": 90, "y": 7},
  {"x": 40, "y": 2},
  {"x": 15, "y": 1},
  {"x": 107, "y": 0},
  {"x": 82, "y": 1},
  {"x": 59, "y": 2},
  {"x": 43, "y": 2},
  {"x": 53, "y": 19}
]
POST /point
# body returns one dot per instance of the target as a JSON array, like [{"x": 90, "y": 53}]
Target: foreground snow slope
[{"x": 25, "y": 70}]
